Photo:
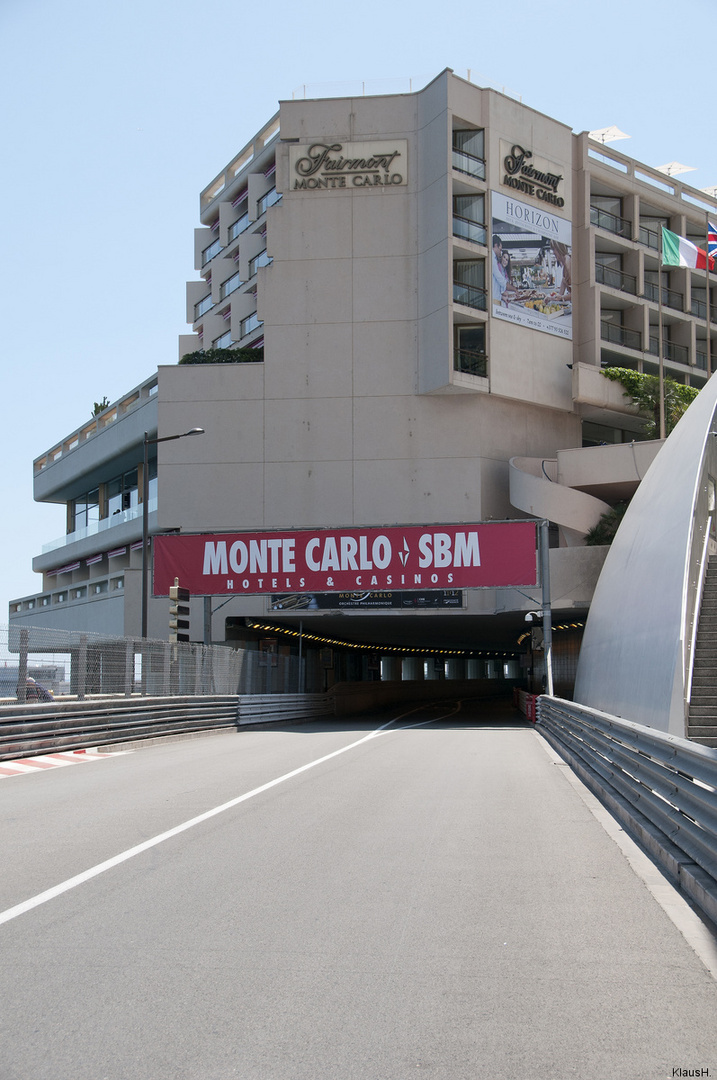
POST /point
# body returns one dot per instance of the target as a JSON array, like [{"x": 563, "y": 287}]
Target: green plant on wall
[
  {"x": 224, "y": 356},
  {"x": 645, "y": 393},
  {"x": 607, "y": 526}
]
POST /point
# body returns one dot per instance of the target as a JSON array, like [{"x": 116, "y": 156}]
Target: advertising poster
[{"x": 531, "y": 266}]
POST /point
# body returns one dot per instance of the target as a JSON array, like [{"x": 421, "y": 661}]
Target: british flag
[{"x": 711, "y": 242}]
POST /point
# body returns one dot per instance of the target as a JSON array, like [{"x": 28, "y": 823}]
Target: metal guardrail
[
  {"x": 263, "y": 709},
  {"x": 27, "y": 730},
  {"x": 662, "y": 787}
]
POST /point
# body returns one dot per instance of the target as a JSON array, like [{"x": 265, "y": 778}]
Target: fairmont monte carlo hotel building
[{"x": 402, "y": 311}]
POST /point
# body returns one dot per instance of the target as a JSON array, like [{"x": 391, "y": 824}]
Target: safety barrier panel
[
  {"x": 266, "y": 708},
  {"x": 663, "y": 788}
]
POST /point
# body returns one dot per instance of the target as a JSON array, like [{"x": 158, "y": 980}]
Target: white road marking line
[{"x": 116, "y": 860}]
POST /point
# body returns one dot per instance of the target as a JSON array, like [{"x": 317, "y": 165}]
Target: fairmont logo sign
[
  {"x": 485, "y": 555},
  {"x": 532, "y": 176},
  {"x": 331, "y": 165}
]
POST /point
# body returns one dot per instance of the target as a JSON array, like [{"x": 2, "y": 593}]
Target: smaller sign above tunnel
[{"x": 496, "y": 554}]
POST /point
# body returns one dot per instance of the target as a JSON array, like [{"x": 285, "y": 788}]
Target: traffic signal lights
[{"x": 178, "y": 612}]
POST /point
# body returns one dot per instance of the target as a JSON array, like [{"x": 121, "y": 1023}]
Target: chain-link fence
[{"x": 37, "y": 664}]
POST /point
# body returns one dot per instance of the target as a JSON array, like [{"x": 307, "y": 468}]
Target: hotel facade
[{"x": 423, "y": 291}]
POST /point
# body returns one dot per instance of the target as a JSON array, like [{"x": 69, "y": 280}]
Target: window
[
  {"x": 86, "y": 510},
  {"x": 209, "y": 252},
  {"x": 469, "y": 356},
  {"x": 202, "y": 306},
  {"x": 469, "y": 217},
  {"x": 122, "y": 492},
  {"x": 262, "y": 259},
  {"x": 469, "y": 152},
  {"x": 267, "y": 200},
  {"x": 230, "y": 286},
  {"x": 469, "y": 283}
]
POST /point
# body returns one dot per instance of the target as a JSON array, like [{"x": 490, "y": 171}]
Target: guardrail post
[
  {"x": 82, "y": 668},
  {"x": 22, "y": 666},
  {"x": 128, "y": 668}
]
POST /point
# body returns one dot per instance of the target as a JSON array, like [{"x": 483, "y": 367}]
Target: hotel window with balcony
[
  {"x": 608, "y": 271},
  {"x": 670, "y": 297},
  {"x": 469, "y": 152},
  {"x": 85, "y": 510},
  {"x": 202, "y": 306},
  {"x": 651, "y": 229},
  {"x": 250, "y": 323},
  {"x": 209, "y": 252},
  {"x": 613, "y": 332},
  {"x": 262, "y": 259},
  {"x": 267, "y": 200},
  {"x": 469, "y": 218},
  {"x": 229, "y": 286},
  {"x": 469, "y": 353},
  {"x": 224, "y": 341},
  {"x": 122, "y": 493},
  {"x": 469, "y": 283},
  {"x": 243, "y": 222},
  {"x": 606, "y": 213}
]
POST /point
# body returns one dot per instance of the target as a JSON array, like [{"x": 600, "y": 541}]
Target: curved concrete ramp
[
  {"x": 533, "y": 491},
  {"x": 636, "y": 655}
]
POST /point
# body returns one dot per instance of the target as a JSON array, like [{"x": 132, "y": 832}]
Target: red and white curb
[{"x": 53, "y": 761}]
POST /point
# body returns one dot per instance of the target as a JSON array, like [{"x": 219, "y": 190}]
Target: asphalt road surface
[{"x": 336, "y": 902}]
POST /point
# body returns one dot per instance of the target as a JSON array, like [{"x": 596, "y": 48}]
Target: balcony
[
  {"x": 615, "y": 279},
  {"x": 610, "y": 223},
  {"x": 95, "y": 528},
  {"x": 209, "y": 252},
  {"x": 267, "y": 200},
  {"x": 239, "y": 227},
  {"x": 204, "y": 305},
  {"x": 230, "y": 285},
  {"x": 252, "y": 322},
  {"x": 470, "y": 295},
  {"x": 676, "y": 354},
  {"x": 469, "y": 230},
  {"x": 468, "y": 164},
  {"x": 470, "y": 362},
  {"x": 649, "y": 237},
  {"x": 670, "y": 298},
  {"x": 620, "y": 335}
]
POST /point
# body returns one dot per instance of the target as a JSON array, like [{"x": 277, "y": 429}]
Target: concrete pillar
[
  {"x": 455, "y": 668},
  {"x": 390, "y": 669},
  {"x": 474, "y": 669},
  {"x": 412, "y": 669}
]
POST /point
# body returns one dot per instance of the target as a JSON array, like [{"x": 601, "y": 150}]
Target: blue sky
[{"x": 116, "y": 116}]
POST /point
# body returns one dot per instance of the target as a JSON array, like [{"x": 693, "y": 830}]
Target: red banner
[{"x": 489, "y": 555}]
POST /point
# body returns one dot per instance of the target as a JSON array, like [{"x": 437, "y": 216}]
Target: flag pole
[{"x": 659, "y": 341}]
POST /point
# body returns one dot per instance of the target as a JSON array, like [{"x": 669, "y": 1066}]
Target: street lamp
[{"x": 145, "y": 510}]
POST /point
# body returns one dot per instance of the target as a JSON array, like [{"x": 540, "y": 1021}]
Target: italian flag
[{"x": 677, "y": 251}]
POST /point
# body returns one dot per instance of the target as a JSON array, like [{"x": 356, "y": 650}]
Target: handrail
[{"x": 661, "y": 786}]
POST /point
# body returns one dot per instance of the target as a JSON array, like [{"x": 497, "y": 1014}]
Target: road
[{"x": 438, "y": 900}]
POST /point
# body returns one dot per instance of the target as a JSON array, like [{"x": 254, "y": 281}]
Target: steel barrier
[
  {"x": 663, "y": 788},
  {"x": 51, "y": 727}
]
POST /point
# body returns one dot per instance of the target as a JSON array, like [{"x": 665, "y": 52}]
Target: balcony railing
[
  {"x": 677, "y": 354},
  {"x": 230, "y": 285},
  {"x": 203, "y": 305},
  {"x": 267, "y": 200},
  {"x": 469, "y": 230},
  {"x": 620, "y": 335},
  {"x": 470, "y": 295},
  {"x": 250, "y": 323},
  {"x": 615, "y": 279},
  {"x": 649, "y": 237},
  {"x": 470, "y": 362},
  {"x": 701, "y": 358},
  {"x": 239, "y": 226},
  {"x": 209, "y": 252},
  {"x": 610, "y": 222},
  {"x": 670, "y": 298},
  {"x": 134, "y": 513},
  {"x": 467, "y": 163}
]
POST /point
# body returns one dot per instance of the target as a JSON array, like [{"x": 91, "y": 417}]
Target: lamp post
[{"x": 145, "y": 510}]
